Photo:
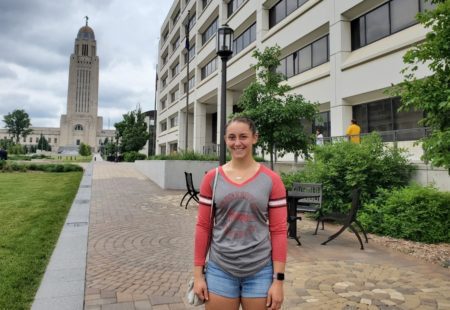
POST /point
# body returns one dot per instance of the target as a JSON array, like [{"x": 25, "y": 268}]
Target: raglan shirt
[{"x": 250, "y": 226}]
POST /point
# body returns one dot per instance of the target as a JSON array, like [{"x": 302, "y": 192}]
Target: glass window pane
[
  {"x": 360, "y": 115},
  {"x": 282, "y": 67},
  {"x": 320, "y": 51},
  {"x": 253, "y": 33},
  {"x": 239, "y": 46},
  {"x": 380, "y": 115},
  {"x": 291, "y": 6},
  {"x": 305, "y": 58},
  {"x": 246, "y": 38},
  {"x": 290, "y": 66},
  {"x": 301, "y": 2},
  {"x": 377, "y": 23},
  {"x": 403, "y": 13},
  {"x": 280, "y": 11}
]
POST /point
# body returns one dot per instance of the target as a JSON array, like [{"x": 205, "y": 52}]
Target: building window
[
  {"x": 190, "y": 54},
  {"x": 174, "y": 96},
  {"x": 78, "y": 141},
  {"x": 210, "y": 31},
  {"x": 245, "y": 39},
  {"x": 323, "y": 123},
  {"x": 175, "y": 43},
  {"x": 191, "y": 22},
  {"x": 164, "y": 59},
  {"x": 78, "y": 127},
  {"x": 189, "y": 85},
  {"x": 176, "y": 16},
  {"x": 31, "y": 139},
  {"x": 306, "y": 58},
  {"x": 173, "y": 147},
  {"x": 162, "y": 149},
  {"x": 383, "y": 116},
  {"x": 205, "y": 3},
  {"x": 209, "y": 68},
  {"x": 163, "y": 126},
  {"x": 55, "y": 140},
  {"x": 173, "y": 121},
  {"x": 389, "y": 18},
  {"x": 282, "y": 9},
  {"x": 163, "y": 104},
  {"x": 165, "y": 35},
  {"x": 84, "y": 50},
  {"x": 164, "y": 82},
  {"x": 175, "y": 69},
  {"x": 233, "y": 5}
]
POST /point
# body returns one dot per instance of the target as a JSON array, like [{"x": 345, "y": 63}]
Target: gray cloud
[{"x": 37, "y": 40}]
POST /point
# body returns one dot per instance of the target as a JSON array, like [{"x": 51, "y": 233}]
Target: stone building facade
[{"x": 81, "y": 124}]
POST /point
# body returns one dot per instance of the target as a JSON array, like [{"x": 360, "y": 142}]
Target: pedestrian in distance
[
  {"x": 353, "y": 132},
  {"x": 248, "y": 244},
  {"x": 319, "y": 137}
]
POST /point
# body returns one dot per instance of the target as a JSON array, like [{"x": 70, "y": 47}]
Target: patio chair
[
  {"x": 191, "y": 191},
  {"x": 312, "y": 203},
  {"x": 347, "y": 219}
]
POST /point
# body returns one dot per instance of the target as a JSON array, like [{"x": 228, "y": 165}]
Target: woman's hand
[
  {"x": 275, "y": 296},
  {"x": 200, "y": 288}
]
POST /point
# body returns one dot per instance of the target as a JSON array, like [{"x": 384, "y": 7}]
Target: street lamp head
[{"x": 224, "y": 41}]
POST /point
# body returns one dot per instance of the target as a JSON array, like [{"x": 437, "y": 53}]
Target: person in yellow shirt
[{"x": 353, "y": 132}]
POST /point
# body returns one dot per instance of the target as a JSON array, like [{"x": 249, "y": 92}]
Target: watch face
[{"x": 280, "y": 276}]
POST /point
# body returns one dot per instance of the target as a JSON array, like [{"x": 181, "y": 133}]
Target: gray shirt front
[{"x": 241, "y": 240}]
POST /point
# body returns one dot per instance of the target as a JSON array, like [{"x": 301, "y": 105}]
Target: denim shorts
[{"x": 224, "y": 284}]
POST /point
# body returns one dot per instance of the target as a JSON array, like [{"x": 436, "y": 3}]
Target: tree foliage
[
  {"x": 84, "y": 150},
  {"x": 431, "y": 94},
  {"x": 18, "y": 124},
  {"x": 132, "y": 131},
  {"x": 279, "y": 117},
  {"x": 43, "y": 144},
  {"x": 342, "y": 166}
]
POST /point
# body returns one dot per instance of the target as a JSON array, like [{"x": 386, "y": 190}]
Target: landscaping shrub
[
  {"x": 191, "y": 155},
  {"x": 7, "y": 166},
  {"x": 16, "y": 149},
  {"x": 342, "y": 166},
  {"x": 132, "y": 156},
  {"x": 415, "y": 213}
]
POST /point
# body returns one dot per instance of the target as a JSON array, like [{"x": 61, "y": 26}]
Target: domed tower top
[{"x": 86, "y": 32}]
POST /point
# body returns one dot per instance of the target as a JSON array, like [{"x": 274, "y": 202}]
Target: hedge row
[{"x": 9, "y": 166}]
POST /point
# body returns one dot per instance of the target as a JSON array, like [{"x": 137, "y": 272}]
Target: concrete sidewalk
[{"x": 140, "y": 254}]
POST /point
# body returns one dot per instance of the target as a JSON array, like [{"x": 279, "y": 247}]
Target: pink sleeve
[
  {"x": 278, "y": 220},
  {"x": 203, "y": 226}
]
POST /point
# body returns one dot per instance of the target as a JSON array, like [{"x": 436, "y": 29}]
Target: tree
[
  {"x": 132, "y": 131},
  {"x": 431, "y": 94},
  {"x": 18, "y": 124},
  {"x": 84, "y": 150},
  {"x": 43, "y": 144},
  {"x": 279, "y": 117}
]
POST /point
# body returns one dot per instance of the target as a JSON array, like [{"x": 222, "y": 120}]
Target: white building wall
[{"x": 348, "y": 78}]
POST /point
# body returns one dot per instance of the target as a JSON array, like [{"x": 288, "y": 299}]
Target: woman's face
[{"x": 240, "y": 139}]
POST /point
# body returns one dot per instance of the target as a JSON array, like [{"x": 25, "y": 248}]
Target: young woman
[{"x": 247, "y": 255}]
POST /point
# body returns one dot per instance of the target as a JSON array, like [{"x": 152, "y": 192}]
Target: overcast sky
[{"x": 37, "y": 38}]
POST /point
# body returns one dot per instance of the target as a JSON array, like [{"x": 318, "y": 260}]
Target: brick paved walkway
[{"x": 140, "y": 257}]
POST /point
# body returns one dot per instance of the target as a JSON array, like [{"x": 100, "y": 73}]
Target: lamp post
[
  {"x": 187, "y": 82},
  {"x": 224, "y": 51}
]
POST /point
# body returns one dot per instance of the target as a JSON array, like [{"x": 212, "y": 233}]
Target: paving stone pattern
[{"x": 141, "y": 247}]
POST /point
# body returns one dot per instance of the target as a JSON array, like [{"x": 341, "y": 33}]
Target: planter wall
[{"x": 169, "y": 174}]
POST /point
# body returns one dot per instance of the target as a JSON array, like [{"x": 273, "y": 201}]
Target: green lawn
[{"x": 33, "y": 207}]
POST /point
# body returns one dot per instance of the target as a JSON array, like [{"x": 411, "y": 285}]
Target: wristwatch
[{"x": 278, "y": 276}]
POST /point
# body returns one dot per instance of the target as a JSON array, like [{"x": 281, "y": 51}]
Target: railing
[
  {"x": 211, "y": 149},
  {"x": 411, "y": 134}
]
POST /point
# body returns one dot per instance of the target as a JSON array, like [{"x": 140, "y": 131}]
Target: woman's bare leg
[
  {"x": 217, "y": 302},
  {"x": 254, "y": 303}
]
